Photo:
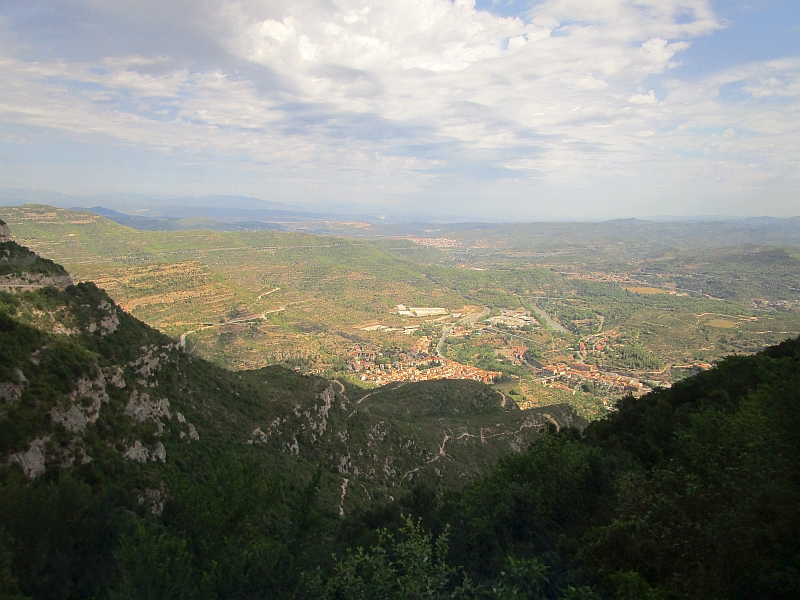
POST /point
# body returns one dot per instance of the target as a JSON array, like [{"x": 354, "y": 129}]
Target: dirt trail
[{"x": 341, "y": 385}]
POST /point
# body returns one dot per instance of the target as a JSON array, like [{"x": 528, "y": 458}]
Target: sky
[{"x": 502, "y": 109}]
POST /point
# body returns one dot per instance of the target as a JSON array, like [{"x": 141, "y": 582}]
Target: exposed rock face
[
  {"x": 150, "y": 362},
  {"x": 258, "y": 437},
  {"x": 85, "y": 403},
  {"x": 30, "y": 281},
  {"x": 73, "y": 419},
  {"x": 32, "y": 460},
  {"x": 137, "y": 452},
  {"x": 12, "y": 392},
  {"x": 193, "y": 435},
  {"x": 142, "y": 408},
  {"x": 115, "y": 376},
  {"x": 159, "y": 452},
  {"x": 5, "y": 232},
  {"x": 108, "y": 324},
  {"x": 154, "y": 499},
  {"x": 141, "y": 454}
]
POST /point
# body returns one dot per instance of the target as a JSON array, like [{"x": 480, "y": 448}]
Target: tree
[{"x": 410, "y": 568}]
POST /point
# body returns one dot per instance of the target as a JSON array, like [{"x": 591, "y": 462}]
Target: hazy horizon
[
  {"x": 233, "y": 207},
  {"x": 505, "y": 110}
]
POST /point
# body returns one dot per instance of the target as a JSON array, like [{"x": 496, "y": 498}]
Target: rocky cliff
[
  {"x": 22, "y": 269},
  {"x": 5, "y": 232}
]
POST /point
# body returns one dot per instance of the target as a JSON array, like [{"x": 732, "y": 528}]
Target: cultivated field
[{"x": 247, "y": 299}]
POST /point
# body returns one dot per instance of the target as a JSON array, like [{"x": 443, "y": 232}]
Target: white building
[{"x": 427, "y": 312}]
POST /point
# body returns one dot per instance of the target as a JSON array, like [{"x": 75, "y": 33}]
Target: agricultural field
[{"x": 561, "y": 321}]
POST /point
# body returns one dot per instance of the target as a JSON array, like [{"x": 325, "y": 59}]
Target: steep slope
[
  {"x": 690, "y": 492},
  {"x": 22, "y": 269},
  {"x": 132, "y": 446}
]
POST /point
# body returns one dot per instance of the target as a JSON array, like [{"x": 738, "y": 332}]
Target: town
[
  {"x": 421, "y": 362},
  {"x": 416, "y": 365}
]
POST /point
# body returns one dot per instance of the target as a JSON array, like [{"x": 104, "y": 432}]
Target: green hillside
[
  {"x": 16, "y": 260},
  {"x": 121, "y": 437},
  {"x": 135, "y": 469},
  {"x": 248, "y": 299},
  {"x": 691, "y": 492}
]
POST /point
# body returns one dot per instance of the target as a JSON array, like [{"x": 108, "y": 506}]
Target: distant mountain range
[
  {"x": 220, "y": 207},
  {"x": 231, "y": 208}
]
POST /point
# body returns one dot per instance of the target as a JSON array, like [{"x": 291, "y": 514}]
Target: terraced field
[
  {"x": 247, "y": 299},
  {"x": 305, "y": 294}
]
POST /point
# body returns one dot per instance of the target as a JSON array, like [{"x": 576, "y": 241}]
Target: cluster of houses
[
  {"x": 437, "y": 242},
  {"x": 515, "y": 354},
  {"x": 595, "y": 345},
  {"x": 601, "y": 276},
  {"x": 428, "y": 369},
  {"x": 580, "y": 371},
  {"x": 416, "y": 365},
  {"x": 788, "y": 305}
]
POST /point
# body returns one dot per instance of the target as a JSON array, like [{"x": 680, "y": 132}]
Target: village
[
  {"x": 573, "y": 369},
  {"x": 554, "y": 375},
  {"x": 416, "y": 365}
]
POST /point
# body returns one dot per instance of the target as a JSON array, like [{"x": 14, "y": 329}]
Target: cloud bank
[{"x": 566, "y": 106}]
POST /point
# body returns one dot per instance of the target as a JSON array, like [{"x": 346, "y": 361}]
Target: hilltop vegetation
[{"x": 16, "y": 260}]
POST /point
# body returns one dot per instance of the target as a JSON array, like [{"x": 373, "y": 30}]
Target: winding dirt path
[{"x": 341, "y": 391}]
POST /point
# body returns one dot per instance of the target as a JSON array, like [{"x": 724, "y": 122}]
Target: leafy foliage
[
  {"x": 16, "y": 259},
  {"x": 635, "y": 357},
  {"x": 412, "y": 567}
]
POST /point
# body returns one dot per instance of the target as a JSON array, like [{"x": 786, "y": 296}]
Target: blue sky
[{"x": 507, "y": 109}]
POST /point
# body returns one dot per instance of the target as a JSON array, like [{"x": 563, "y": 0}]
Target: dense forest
[{"x": 687, "y": 492}]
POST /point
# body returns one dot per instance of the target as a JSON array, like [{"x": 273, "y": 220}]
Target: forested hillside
[
  {"x": 133, "y": 469},
  {"x": 121, "y": 449}
]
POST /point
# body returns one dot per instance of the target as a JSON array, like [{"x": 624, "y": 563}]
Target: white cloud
[
  {"x": 648, "y": 98},
  {"x": 415, "y": 91}
]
